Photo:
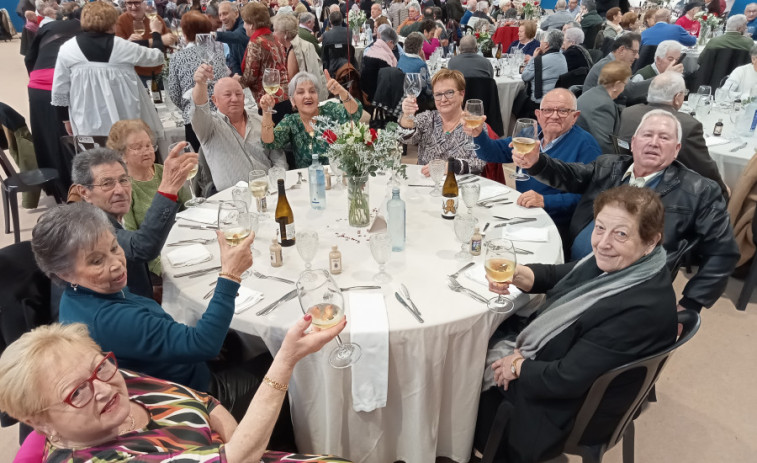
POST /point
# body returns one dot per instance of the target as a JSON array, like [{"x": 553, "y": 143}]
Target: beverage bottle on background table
[
  {"x": 317, "y": 180},
  {"x": 284, "y": 217},
  {"x": 277, "y": 258},
  {"x": 396, "y": 218},
  {"x": 450, "y": 192},
  {"x": 335, "y": 261},
  {"x": 475, "y": 243}
]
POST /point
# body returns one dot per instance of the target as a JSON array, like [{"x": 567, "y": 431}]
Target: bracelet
[
  {"x": 349, "y": 97},
  {"x": 231, "y": 277},
  {"x": 275, "y": 384}
]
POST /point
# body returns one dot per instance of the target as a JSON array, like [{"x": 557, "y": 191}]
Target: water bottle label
[{"x": 449, "y": 207}]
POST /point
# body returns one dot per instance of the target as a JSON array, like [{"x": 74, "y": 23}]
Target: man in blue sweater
[
  {"x": 560, "y": 139},
  {"x": 233, "y": 35},
  {"x": 663, "y": 30}
]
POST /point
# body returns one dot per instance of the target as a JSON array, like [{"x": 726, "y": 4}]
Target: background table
[{"x": 435, "y": 368}]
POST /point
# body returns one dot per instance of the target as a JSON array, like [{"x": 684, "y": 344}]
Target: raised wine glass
[
  {"x": 470, "y": 192},
  {"x": 464, "y": 225},
  {"x": 413, "y": 86},
  {"x": 195, "y": 199},
  {"x": 381, "y": 249},
  {"x": 472, "y": 118},
  {"x": 321, "y": 297},
  {"x": 307, "y": 245},
  {"x": 139, "y": 27},
  {"x": 258, "y": 185},
  {"x": 234, "y": 221},
  {"x": 271, "y": 83},
  {"x": 525, "y": 137},
  {"x": 500, "y": 267},
  {"x": 437, "y": 168}
]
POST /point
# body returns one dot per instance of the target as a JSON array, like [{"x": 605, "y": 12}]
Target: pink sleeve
[{"x": 32, "y": 450}]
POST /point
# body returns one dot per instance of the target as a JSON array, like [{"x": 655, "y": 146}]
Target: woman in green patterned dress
[{"x": 296, "y": 129}]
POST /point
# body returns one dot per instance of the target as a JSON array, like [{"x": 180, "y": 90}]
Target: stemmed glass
[
  {"x": 381, "y": 249},
  {"x": 274, "y": 174},
  {"x": 206, "y": 46},
  {"x": 525, "y": 137},
  {"x": 500, "y": 267},
  {"x": 336, "y": 182},
  {"x": 413, "y": 87},
  {"x": 321, "y": 297},
  {"x": 705, "y": 99},
  {"x": 258, "y": 185},
  {"x": 307, "y": 245},
  {"x": 472, "y": 118},
  {"x": 464, "y": 225},
  {"x": 234, "y": 221},
  {"x": 470, "y": 192},
  {"x": 437, "y": 168},
  {"x": 195, "y": 200},
  {"x": 271, "y": 83}
]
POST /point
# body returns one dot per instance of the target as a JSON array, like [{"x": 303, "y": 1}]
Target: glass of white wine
[
  {"x": 525, "y": 137},
  {"x": 195, "y": 199},
  {"x": 258, "y": 185},
  {"x": 500, "y": 267},
  {"x": 472, "y": 118},
  {"x": 234, "y": 221},
  {"x": 321, "y": 297},
  {"x": 436, "y": 169},
  {"x": 271, "y": 83},
  {"x": 139, "y": 27}
]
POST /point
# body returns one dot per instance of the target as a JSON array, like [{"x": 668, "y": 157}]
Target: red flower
[
  {"x": 704, "y": 17},
  {"x": 477, "y": 35},
  {"x": 536, "y": 3},
  {"x": 716, "y": 15},
  {"x": 374, "y": 136},
  {"x": 329, "y": 136}
]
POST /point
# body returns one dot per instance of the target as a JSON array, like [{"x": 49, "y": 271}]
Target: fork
[
  {"x": 454, "y": 285},
  {"x": 496, "y": 203},
  {"x": 271, "y": 277}
]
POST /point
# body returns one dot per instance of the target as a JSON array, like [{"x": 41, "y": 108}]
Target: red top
[{"x": 691, "y": 26}]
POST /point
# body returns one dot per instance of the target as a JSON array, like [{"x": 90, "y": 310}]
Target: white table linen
[{"x": 370, "y": 330}]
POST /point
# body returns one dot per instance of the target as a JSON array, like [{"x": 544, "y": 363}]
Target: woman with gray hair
[
  {"x": 542, "y": 71},
  {"x": 576, "y": 56},
  {"x": 301, "y": 54},
  {"x": 379, "y": 55},
  {"x": 296, "y": 129}
]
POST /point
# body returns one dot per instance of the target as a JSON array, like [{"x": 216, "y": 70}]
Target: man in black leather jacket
[{"x": 696, "y": 219}]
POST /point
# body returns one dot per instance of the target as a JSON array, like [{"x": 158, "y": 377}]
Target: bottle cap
[
  {"x": 395, "y": 190},
  {"x": 476, "y": 231},
  {"x": 720, "y": 120},
  {"x": 280, "y": 182},
  {"x": 333, "y": 248},
  {"x": 315, "y": 156}
]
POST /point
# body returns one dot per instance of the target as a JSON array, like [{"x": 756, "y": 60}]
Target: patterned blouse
[
  {"x": 179, "y": 428},
  {"x": 264, "y": 52},
  {"x": 181, "y": 70},
  {"x": 434, "y": 143},
  {"x": 290, "y": 132}
]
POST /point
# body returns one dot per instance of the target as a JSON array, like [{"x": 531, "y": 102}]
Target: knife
[
  {"x": 515, "y": 222},
  {"x": 738, "y": 147},
  {"x": 269, "y": 308},
  {"x": 409, "y": 309},
  {"x": 349, "y": 288},
  {"x": 417, "y": 184},
  {"x": 197, "y": 272}
]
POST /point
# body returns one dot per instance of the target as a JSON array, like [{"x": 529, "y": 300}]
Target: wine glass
[
  {"x": 381, "y": 249},
  {"x": 258, "y": 185},
  {"x": 254, "y": 226},
  {"x": 525, "y": 137},
  {"x": 321, "y": 297},
  {"x": 336, "y": 172},
  {"x": 271, "y": 83},
  {"x": 413, "y": 87},
  {"x": 472, "y": 118},
  {"x": 470, "y": 192},
  {"x": 195, "y": 200},
  {"x": 275, "y": 173},
  {"x": 307, "y": 245},
  {"x": 139, "y": 27},
  {"x": 437, "y": 168},
  {"x": 464, "y": 225},
  {"x": 500, "y": 267},
  {"x": 205, "y": 47},
  {"x": 233, "y": 221}
]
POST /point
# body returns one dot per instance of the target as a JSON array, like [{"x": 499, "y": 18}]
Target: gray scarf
[{"x": 571, "y": 297}]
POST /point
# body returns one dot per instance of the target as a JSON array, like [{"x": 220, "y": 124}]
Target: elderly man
[
  {"x": 626, "y": 49},
  {"x": 751, "y": 17},
  {"x": 574, "y": 9},
  {"x": 733, "y": 38},
  {"x": 233, "y": 34},
  {"x": 663, "y": 30},
  {"x": 100, "y": 177},
  {"x": 470, "y": 8},
  {"x": 306, "y": 30},
  {"x": 666, "y": 56},
  {"x": 590, "y": 18},
  {"x": 413, "y": 16},
  {"x": 469, "y": 62},
  {"x": 667, "y": 91},
  {"x": 136, "y": 14},
  {"x": 559, "y": 18},
  {"x": 560, "y": 139},
  {"x": 230, "y": 137},
  {"x": 696, "y": 220},
  {"x": 576, "y": 56},
  {"x": 550, "y": 63}
]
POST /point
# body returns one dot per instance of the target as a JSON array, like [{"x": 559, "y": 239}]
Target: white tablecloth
[
  {"x": 507, "y": 88},
  {"x": 435, "y": 368}
]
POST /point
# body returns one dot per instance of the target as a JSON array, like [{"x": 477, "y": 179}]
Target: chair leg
[
  {"x": 629, "y": 438},
  {"x": 14, "y": 211},
  {"x": 749, "y": 282}
]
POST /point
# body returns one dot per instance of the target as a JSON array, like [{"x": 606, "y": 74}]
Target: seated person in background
[
  {"x": 296, "y": 129},
  {"x": 743, "y": 78},
  {"x": 663, "y": 30},
  {"x": 100, "y": 177},
  {"x": 750, "y": 11},
  {"x": 666, "y": 56},
  {"x": 87, "y": 409},
  {"x": 560, "y": 139},
  {"x": 410, "y": 61},
  {"x": 439, "y": 133},
  {"x": 413, "y": 16},
  {"x": 526, "y": 39},
  {"x": 480, "y": 15},
  {"x": 230, "y": 137},
  {"x": 469, "y": 62},
  {"x": 541, "y": 72},
  {"x": 233, "y": 34},
  {"x": 667, "y": 91},
  {"x": 576, "y": 56},
  {"x": 305, "y": 30},
  {"x": 630, "y": 22},
  {"x": 608, "y": 309},
  {"x": 696, "y": 220},
  {"x": 152, "y": 36},
  {"x": 599, "y": 115},
  {"x": 612, "y": 23},
  {"x": 470, "y": 8},
  {"x": 431, "y": 33},
  {"x": 574, "y": 9},
  {"x": 559, "y": 18},
  {"x": 625, "y": 49},
  {"x": 379, "y": 55},
  {"x": 687, "y": 19},
  {"x": 733, "y": 38}
]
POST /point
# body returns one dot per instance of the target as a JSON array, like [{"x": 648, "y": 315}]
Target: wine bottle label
[
  {"x": 289, "y": 231},
  {"x": 276, "y": 258},
  {"x": 449, "y": 207}
]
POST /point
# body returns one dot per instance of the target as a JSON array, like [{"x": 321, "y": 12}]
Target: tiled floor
[{"x": 706, "y": 401}]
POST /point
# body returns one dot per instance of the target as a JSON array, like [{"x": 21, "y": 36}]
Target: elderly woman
[
  {"x": 612, "y": 23},
  {"x": 95, "y": 77},
  {"x": 263, "y": 52},
  {"x": 525, "y": 43},
  {"x": 378, "y": 56},
  {"x": 413, "y": 16},
  {"x": 410, "y": 61},
  {"x": 301, "y": 54},
  {"x": 630, "y": 22},
  {"x": 182, "y": 68},
  {"x": 600, "y": 116},
  {"x": 549, "y": 64},
  {"x": 576, "y": 56},
  {"x": 744, "y": 78},
  {"x": 439, "y": 133},
  {"x": 607, "y": 309},
  {"x": 296, "y": 130},
  {"x": 647, "y": 20},
  {"x": 58, "y": 380}
]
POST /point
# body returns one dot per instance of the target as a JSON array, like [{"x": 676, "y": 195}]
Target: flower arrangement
[
  {"x": 708, "y": 20},
  {"x": 356, "y": 19},
  {"x": 484, "y": 41},
  {"x": 531, "y": 9}
]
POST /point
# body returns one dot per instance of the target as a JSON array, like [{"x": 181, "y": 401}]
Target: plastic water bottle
[
  {"x": 396, "y": 218},
  {"x": 317, "y": 181}
]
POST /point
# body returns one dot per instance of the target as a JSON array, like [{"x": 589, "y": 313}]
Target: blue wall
[{"x": 11, "y": 5}]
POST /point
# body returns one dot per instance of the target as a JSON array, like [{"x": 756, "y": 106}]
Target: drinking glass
[
  {"x": 321, "y": 297},
  {"x": 258, "y": 185},
  {"x": 464, "y": 225},
  {"x": 705, "y": 100},
  {"x": 437, "y": 168},
  {"x": 271, "y": 83},
  {"x": 336, "y": 172},
  {"x": 204, "y": 44},
  {"x": 254, "y": 226},
  {"x": 276, "y": 173},
  {"x": 470, "y": 192},
  {"x": 381, "y": 249},
  {"x": 413, "y": 87},
  {"x": 307, "y": 245},
  {"x": 234, "y": 221},
  {"x": 525, "y": 137},
  {"x": 472, "y": 118},
  {"x": 195, "y": 200},
  {"x": 139, "y": 27},
  {"x": 500, "y": 267}
]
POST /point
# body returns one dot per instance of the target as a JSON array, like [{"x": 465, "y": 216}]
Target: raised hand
[{"x": 176, "y": 169}]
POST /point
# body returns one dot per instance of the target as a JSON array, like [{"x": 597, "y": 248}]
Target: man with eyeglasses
[
  {"x": 560, "y": 138},
  {"x": 101, "y": 178},
  {"x": 696, "y": 219},
  {"x": 626, "y": 49}
]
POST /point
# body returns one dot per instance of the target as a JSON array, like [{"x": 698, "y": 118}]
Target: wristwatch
[{"x": 513, "y": 366}]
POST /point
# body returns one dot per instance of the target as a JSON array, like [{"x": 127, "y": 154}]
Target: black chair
[
  {"x": 596, "y": 55},
  {"x": 81, "y": 143},
  {"x": 646, "y": 57},
  {"x": 751, "y": 278},
  {"x": 576, "y": 90},
  {"x": 335, "y": 55},
  {"x": 387, "y": 99},
  {"x": 650, "y": 368},
  {"x": 590, "y": 35},
  {"x": 575, "y": 77},
  {"x": 606, "y": 46},
  {"x": 714, "y": 64},
  {"x": 485, "y": 89}
]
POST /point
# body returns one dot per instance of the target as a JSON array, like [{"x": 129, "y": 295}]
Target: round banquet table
[{"x": 434, "y": 368}]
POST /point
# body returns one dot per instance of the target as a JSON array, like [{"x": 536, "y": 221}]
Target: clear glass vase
[{"x": 359, "y": 213}]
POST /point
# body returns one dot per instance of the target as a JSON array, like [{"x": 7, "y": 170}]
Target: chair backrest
[
  {"x": 7, "y": 165},
  {"x": 576, "y": 90},
  {"x": 596, "y": 55},
  {"x": 575, "y": 77},
  {"x": 714, "y": 64},
  {"x": 485, "y": 89},
  {"x": 389, "y": 90},
  {"x": 650, "y": 366},
  {"x": 334, "y": 56},
  {"x": 646, "y": 57},
  {"x": 590, "y": 35}
]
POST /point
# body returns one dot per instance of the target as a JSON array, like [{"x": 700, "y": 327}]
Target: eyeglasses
[
  {"x": 85, "y": 391},
  {"x": 133, "y": 4},
  {"x": 448, "y": 94},
  {"x": 110, "y": 183},
  {"x": 142, "y": 147},
  {"x": 561, "y": 112}
]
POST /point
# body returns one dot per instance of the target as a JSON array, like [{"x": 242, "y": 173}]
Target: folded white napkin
[
  {"x": 205, "y": 215},
  {"x": 188, "y": 255},
  {"x": 490, "y": 191},
  {"x": 537, "y": 235},
  {"x": 246, "y": 298},
  {"x": 477, "y": 274},
  {"x": 715, "y": 141},
  {"x": 369, "y": 328}
]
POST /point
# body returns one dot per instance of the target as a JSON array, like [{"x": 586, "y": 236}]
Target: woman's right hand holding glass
[
  {"x": 235, "y": 259},
  {"x": 266, "y": 103},
  {"x": 409, "y": 106},
  {"x": 299, "y": 344}
]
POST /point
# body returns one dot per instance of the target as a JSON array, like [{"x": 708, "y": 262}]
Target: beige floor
[{"x": 707, "y": 404}]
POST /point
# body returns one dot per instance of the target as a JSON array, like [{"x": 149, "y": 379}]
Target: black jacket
[{"x": 695, "y": 216}]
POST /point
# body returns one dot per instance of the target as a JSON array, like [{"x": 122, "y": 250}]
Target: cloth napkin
[
  {"x": 490, "y": 191},
  {"x": 188, "y": 255},
  {"x": 537, "y": 235},
  {"x": 246, "y": 298},
  {"x": 715, "y": 141},
  {"x": 369, "y": 328},
  {"x": 204, "y": 215}
]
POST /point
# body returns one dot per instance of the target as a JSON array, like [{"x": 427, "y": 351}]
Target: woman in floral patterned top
[
  {"x": 263, "y": 52},
  {"x": 296, "y": 130},
  {"x": 57, "y": 379}
]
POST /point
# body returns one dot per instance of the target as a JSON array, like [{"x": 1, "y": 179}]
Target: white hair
[
  {"x": 665, "y": 87},
  {"x": 661, "y": 113},
  {"x": 560, "y": 5},
  {"x": 575, "y": 35},
  {"x": 667, "y": 46},
  {"x": 735, "y": 23}
]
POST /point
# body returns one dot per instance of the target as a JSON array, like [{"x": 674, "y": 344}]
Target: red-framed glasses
[{"x": 85, "y": 391}]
